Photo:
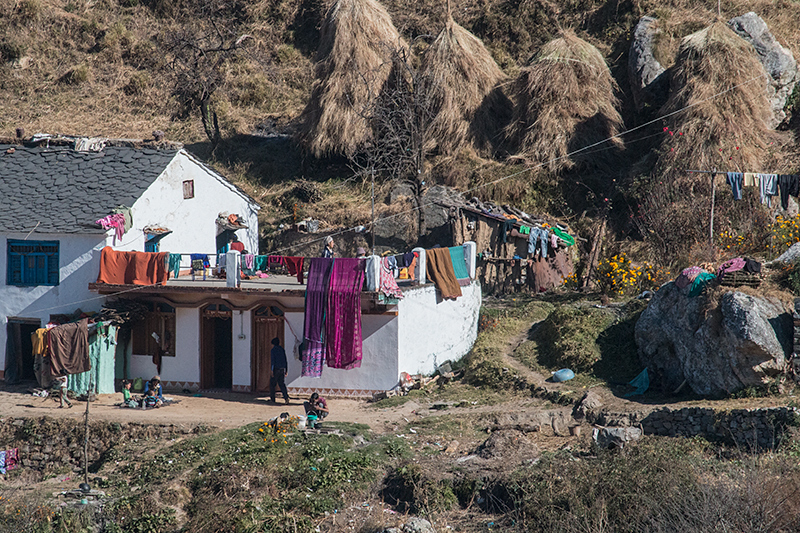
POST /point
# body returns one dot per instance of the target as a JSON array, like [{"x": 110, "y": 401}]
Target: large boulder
[
  {"x": 777, "y": 60},
  {"x": 649, "y": 84},
  {"x": 740, "y": 341}
]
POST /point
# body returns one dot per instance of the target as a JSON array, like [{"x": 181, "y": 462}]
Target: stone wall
[
  {"x": 57, "y": 444},
  {"x": 749, "y": 429}
]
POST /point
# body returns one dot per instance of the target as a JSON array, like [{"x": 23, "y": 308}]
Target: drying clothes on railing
[
  {"x": 789, "y": 185},
  {"x": 39, "y": 341},
  {"x": 387, "y": 284},
  {"x": 248, "y": 261},
  {"x": 538, "y": 238},
  {"x": 404, "y": 260},
  {"x": 113, "y": 221},
  {"x": 69, "y": 348},
  {"x": 319, "y": 273},
  {"x": 343, "y": 343},
  {"x": 203, "y": 258},
  {"x": 260, "y": 263},
  {"x": 459, "y": 265},
  {"x": 768, "y": 187},
  {"x": 132, "y": 268},
  {"x": 439, "y": 269},
  {"x": 294, "y": 265},
  {"x": 174, "y": 265}
]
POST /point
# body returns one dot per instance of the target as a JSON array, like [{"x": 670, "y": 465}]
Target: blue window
[
  {"x": 151, "y": 243},
  {"x": 32, "y": 263}
]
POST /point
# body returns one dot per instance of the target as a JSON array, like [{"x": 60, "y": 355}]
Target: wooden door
[{"x": 211, "y": 356}]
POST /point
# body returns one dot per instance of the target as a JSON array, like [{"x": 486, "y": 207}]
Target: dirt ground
[{"x": 222, "y": 410}]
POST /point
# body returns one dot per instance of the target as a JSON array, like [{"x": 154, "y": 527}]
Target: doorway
[
  {"x": 216, "y": 358},
  {"x": 19, "y": 349},
  {"x": 267, "y": 324}
]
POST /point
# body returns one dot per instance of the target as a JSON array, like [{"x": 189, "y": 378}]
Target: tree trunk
[{"x": 210, "y": 122}]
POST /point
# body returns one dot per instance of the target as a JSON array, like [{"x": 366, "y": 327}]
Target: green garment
[
  {"x": 126, "y": 212},
  {"x": 174, "y": 264},
  {"x": 566, "y": 237},
  {"x": 459, "y": 264},
  {"x": 260, "y": 263},
  {"x": 700, "y": 282},
  {"x": 126, "y": 395},
  {"x": 102, "y": 348},
  {"x": 525, "y": 230}
]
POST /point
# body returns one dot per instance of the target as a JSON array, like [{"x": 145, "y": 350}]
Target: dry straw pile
[
  {"x": 467, "y": 104},
  {"x": 564, "y": 101},
  {"x": 353, "y": 64},
  {"x": 729, "y": 131}
]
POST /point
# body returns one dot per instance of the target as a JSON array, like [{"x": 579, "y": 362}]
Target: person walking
[
  {"x": 328, "y": 251},
  {"x": 279, "y": 367}
]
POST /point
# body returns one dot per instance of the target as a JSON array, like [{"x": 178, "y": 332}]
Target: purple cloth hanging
[
  {"x": 343, "y": 324},
  {"x": 314, "y": 328}
]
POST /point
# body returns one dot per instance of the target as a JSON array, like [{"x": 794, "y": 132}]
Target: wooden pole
[
  {"x": 86, "y": 441},
  {"x": 372, "y": 228},
  {"x": 711, "y": 219}
]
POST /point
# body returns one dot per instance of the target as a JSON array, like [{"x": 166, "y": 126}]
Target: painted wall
[
  {"x": 192, "y": 221},
  {"x": 79, "y": 263},
  {"x": 183, "y": 370},
  {"x": 242, "y": 342},
  {"x": 432, "y": 330},
  {"x": 378, "y": 369}
]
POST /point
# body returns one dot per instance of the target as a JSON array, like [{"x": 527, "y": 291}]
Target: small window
[
  {"x": 155, "y": 333},
  {"x": 32, "y": 263},
  {"x": 188, "y": 189}
]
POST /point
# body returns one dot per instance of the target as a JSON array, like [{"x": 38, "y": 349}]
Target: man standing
[{"x": 279, "y": 366}]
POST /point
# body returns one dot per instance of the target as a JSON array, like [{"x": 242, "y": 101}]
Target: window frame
[{"x": 18, "y": 263}]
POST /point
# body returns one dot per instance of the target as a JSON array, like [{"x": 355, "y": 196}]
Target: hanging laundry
[
  {"x": 768, "y": 187},
  {"x": 734, "y": 179},
  {"x": 733, "y": 265},
  {"x": 439, "y": 269},
  {"x": 127, "y": 216},
  {"x": 12, "y": 459},
  {"x": 750, "y": 179},
  {"x": 507, "y": 226},
  {"x": 100, "y": 379},
  {"x": 319, "y": 273},
  {"x": 538, "y": 239},
  {"x": 39, "y": 341},
  {"x": 568, "y": 239},
  {"x": 789, "y": 186},
  {"x": 132, "y": 268},
  {"x": 69, "y": 348},
  {"x": 260, "y": 263},
  {"x": 113, "y": 221},
  {"x": 387, "y": 284},
  {"x": 174, "y": 264},
  {"x": 203, "y": 258},
  {"x": 343, "y": 342},
  {"x": 294, "y": 265},
  {"x": 413, "y": 266},
  {"x": 459, "y": 265}
]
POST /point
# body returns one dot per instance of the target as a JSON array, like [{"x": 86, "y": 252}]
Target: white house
[
  {"x": 199, "y": 334},
  {"x": 50, "y": 197}
]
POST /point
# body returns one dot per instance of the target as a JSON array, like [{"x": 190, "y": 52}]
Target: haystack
[
  {"x": 725, "y": 131},
  {"x": 565, "y": 101},
  {"x": 466, "y": 102},
  {"x": 353, "y": 63}
]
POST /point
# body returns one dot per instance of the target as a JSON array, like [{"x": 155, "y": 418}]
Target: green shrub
[
  {"x": 412, "y": 489},
  {"x": 77, "y": 75},
  {"x": 568, "y": 338}
]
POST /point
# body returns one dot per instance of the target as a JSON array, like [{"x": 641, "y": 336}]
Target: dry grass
[
  {"x": 352, "y": 67},
  {"x": 564, "y": 101},
  {"x": 726, "y": 131},
  {"x": 469, "y": 106}
]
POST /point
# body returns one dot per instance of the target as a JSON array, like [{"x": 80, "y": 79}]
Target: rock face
[
  {"x": 741, "y": 342},
  {"x": 777, "y": 60},
  {"x": 648, "y": 83}
]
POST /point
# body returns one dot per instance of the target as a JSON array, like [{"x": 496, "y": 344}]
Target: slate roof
[{"x": 66, "y": 191}]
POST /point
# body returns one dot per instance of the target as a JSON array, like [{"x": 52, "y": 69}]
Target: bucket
[{"x": 311, "y": 421}]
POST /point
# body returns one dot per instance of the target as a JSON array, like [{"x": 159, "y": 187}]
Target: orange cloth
[
  {"x": 132, "y": 268},
  {"x": 439, "y": 268},
  {"x": 237, "y": 246},
  {"x": 39, "y": 341}
]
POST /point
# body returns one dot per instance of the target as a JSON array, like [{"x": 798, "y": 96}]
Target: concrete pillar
[
  {"x": 471, "y": 256},
  {"x": 419, "y": 272},
  {"x": 233, "y": 268}
]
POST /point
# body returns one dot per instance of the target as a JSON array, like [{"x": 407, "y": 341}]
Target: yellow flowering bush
[
  {"x": 572, "y": 282},
  {"x": 277, "y": 431},
  {"x": 617, "y": 275},
  {"x": 784, "y": 232}
]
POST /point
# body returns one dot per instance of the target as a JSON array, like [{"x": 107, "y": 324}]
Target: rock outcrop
[
  {"x": 649, "y": 85},
  {"x": 740, "y": 342},
  {"x": 777, "y": 60}
]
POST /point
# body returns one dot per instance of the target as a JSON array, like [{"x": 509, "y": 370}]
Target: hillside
[{"x": 124, "y": 68}]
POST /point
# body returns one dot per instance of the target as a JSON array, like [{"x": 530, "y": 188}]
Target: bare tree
[{"x": 400, "y": 118}]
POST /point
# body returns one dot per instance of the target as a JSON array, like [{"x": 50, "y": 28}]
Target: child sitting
[
  {"x": 151, "y": 401},
  {"x": 127, "y": 399}
]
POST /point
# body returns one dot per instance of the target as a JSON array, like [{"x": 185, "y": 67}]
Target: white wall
[
  {"x": 192, "y": 221},
  {"x": 433, "y": 330},
  {"x": 378, "y": 369},
  {"x": 79, "y": 263},
  {"x": 242, "y": 326},
  {"x": 185, "y": 366}
]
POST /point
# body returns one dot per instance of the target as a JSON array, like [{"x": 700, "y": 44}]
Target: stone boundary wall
[
  {"x": 57, "y": 444},
  {"x": 750, "y": 429}
]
